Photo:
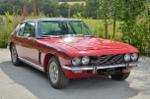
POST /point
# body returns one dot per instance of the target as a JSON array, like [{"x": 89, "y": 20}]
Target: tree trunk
[
  {"x": 24, "y": 10},
  {"x": 69, "y": 11},
  {"x": 34, "y": 8},
  {"x": 149, "y": 29},
  {"x": 114, "y": 28},
  {"x": 106, "y": 28},
  {"x": 149, "y": 37}
]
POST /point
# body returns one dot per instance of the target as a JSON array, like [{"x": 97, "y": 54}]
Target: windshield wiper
[
  {"x": 66, "y": 35},
  {"x": 47, "y": 36}
]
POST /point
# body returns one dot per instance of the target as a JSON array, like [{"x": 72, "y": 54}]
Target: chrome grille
[{"x": 107, "y": 59}]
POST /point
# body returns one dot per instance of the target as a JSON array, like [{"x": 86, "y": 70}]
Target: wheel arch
[
  {"x": 46, "y": 60},
  {"x": 10, "y": 45}
]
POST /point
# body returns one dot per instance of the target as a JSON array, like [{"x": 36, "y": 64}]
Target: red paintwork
[
  {"x": 65, "y": 48},
  {"x": 87, "y": 46}
]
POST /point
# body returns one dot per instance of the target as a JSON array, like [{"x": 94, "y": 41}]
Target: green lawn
[{"x": 97, "y": 26}]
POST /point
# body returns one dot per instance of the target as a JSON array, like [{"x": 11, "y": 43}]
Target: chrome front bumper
[{"x": 95, "y": 68}]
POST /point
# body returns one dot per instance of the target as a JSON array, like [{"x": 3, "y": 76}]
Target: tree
[
  {"x": 104, "y": 12},
  {"x": 6, "y": 6},
  {"x": 91, "y": 8},
  {"x": 134, "y": 24},
  {"x": 74, "y": 9},
  {"x": 63, "y": 10},
  {"x": 49, "y": 7},
  {"x": 115, "y": 13}
]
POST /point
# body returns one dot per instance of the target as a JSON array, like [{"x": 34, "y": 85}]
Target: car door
[
  {"x": 29, "y": 47},
  {"x": 19, "y": 40}
]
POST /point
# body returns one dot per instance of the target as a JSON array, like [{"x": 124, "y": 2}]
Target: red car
[{"x": 67, "y": 49}]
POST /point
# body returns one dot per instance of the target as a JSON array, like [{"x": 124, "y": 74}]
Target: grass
[{"x": 97, "y": 26}]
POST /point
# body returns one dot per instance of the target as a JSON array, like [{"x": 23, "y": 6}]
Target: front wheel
[
  {"x": 14, "y": 56},
  {"x": 56, "y": 76},
  {"x": 121, "y": 76}
]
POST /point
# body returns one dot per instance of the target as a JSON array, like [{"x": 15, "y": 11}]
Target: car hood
[
  {"x": 86, "y": 43},
  {"x": 91, "y": 43}
]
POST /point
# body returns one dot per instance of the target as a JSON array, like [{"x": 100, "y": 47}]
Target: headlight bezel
[
  {"x": 77, "y": 59},
  {"x": 134, "y": 59},
  {"x": 127, "y": 57},
  {"x": 87, "y": 60}
]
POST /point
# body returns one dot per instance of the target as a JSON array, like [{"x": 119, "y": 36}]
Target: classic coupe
[{"x": 67, "y": 49}]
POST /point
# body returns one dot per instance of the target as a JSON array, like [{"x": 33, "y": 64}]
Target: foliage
[
  {"x": 135, "y": 27},
  {"x": 63, "y": 6},
  {"x": 137, "y": 35},
  {"x": 98, "y": 28},
  {"x": 74, "y": 9},
  {"x": 91, "y": 9},
  {"x": 6, "y": 6},
  {"x": 7, "y": 25},
  {"x": 49, "y": 8}
]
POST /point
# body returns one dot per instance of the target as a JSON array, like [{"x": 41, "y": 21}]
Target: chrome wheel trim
[
  {"x": 14, "y": 54},
  {"x": 53, "y": 72}
]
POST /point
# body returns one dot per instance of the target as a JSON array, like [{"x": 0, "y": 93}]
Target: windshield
[{"x": 61, "y": 28}]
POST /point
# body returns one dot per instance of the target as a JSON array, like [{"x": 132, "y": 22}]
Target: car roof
[{"x": 52, "y": 19}]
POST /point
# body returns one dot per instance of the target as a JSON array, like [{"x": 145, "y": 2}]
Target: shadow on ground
[{"x": 36, "y": 83}]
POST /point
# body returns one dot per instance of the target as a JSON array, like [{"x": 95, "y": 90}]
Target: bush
[
  {"x": 7, "y": 25},
  {"x": 5, "y": 33},
  {"x": 137, "y": 34},
  {"x": 97, "y": 26}
]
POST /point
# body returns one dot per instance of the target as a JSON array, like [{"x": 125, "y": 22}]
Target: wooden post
[
  {"x": 149, "y": 27},
  {"x": 69, "y": 10}
]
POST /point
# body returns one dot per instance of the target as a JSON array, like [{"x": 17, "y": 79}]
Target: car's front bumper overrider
[{"x": 95, "y": 68}]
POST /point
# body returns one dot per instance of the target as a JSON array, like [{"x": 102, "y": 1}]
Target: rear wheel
[
  {"x": 121, "y": 76},
  {"x": 56, "y": 76},
  {"x": 14, "y": 56}
]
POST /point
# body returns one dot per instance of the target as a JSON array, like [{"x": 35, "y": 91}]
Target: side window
[
  {"x": 29, "y": 29},
  {"x": 20, "y": 32}
]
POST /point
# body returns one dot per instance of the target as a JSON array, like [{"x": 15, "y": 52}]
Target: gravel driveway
[{"x": 25, "y": 82}]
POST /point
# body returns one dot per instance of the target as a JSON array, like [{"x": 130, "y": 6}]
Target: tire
[
  {"x": 56, "y": 76},
  {"x": 14, "y": 56},
  {"x": 120, "y": 77}
]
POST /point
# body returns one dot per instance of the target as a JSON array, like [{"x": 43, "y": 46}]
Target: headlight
[
  {"x": 127, "y": 57},
  {"x": 85, "y": 60},
  {"x": 76, "y": 61},
  {"x": 134, "y": 56}
]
